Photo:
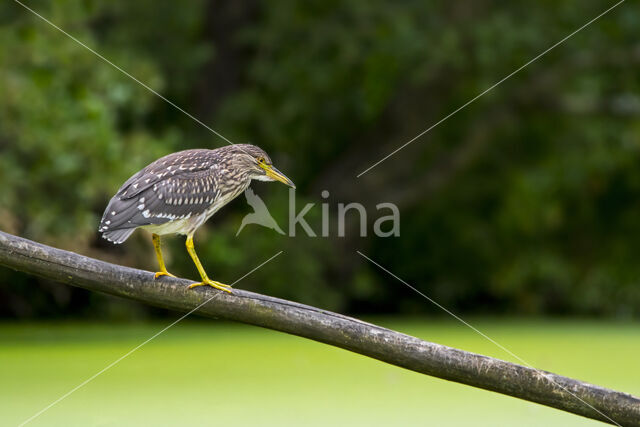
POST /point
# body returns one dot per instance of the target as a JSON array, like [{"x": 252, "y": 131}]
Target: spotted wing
[{"x": 174, "y": 187}]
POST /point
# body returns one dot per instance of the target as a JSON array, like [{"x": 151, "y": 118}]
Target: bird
[
  {"x": 179, "y": 192},
  {"x": 260, "y": 214}
]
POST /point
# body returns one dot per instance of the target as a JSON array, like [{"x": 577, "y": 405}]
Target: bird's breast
[{"x": 176, "y": 226}]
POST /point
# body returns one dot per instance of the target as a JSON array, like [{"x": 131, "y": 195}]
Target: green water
[{"x": 212, "y": 373}]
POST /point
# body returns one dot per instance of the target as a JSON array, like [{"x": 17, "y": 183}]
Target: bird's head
[{"x": 257, "y": 164}]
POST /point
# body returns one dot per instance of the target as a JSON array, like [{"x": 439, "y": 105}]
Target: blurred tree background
[{"x": 525, "y": 202}]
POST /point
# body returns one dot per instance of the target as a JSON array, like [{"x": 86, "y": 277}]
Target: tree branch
[{"x": 320, "y": 325}]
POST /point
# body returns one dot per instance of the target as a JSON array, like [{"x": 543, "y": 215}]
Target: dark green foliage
[{"x": 524, "y": 202}]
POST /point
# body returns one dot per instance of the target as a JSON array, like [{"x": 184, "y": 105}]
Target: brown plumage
[
  {"x": 183, "y": 185},
  {"x": 179, "y": 192}
]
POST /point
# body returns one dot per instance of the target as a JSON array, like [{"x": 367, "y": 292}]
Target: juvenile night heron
[{"x": 177, "y": 193}]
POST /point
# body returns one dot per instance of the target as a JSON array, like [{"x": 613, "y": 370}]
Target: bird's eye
[{"x": 261, "y": 160}]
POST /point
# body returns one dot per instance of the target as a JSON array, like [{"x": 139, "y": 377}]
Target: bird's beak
[{"x": 277, "y": 175}]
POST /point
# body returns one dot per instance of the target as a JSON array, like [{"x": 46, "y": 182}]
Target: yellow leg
[
  {"x": 163, "y": 270},
  {"x": 203, "y": 274}
]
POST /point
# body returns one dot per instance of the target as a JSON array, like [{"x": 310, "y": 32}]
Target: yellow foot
[
  {"x": 164, "y": 273},
  {"x": 212, "y": 283}
]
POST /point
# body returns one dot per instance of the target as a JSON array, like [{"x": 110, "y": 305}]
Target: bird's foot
[
  {"x": 163, "y": 273},
  {"x": 213, "y": 284}
]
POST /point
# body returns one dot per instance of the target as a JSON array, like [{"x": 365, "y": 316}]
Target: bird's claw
[
  {"x": 213, "y": 284},
  {"x": 163, "y": 273}
]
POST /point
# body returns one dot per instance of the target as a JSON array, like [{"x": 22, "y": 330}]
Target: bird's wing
[
  {"x": 173, "y": 187},
  {"x": 182, "y": 163}
]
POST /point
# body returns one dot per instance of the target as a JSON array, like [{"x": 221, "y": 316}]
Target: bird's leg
[
  {"x": 156, "y": 244},
  {"x": 203, "y": 274}
]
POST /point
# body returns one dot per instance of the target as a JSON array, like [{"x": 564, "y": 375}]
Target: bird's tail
[{"x": 118, "y": 236}]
